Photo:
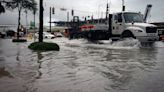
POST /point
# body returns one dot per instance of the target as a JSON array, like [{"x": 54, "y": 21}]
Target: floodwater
[{"x": 82, "y": 66}]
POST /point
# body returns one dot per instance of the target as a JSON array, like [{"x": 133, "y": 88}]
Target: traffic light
[
  {"x": 72, "y": 12},
  {"x": 53, "y": 10},
  {"x": 85, "y": 19}
]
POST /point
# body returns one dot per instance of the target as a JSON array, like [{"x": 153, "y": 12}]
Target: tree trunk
[
  {"x": 34, "y": 27},
  {"x": 41, "y": 21},
  {"x": 18, "y": 29}
]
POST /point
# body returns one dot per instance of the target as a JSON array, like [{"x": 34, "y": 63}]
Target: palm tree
[
  {"x": 2, "y": 9},
  {"x": 21, "y": 5},
  {"x": 34, "y": 9}
]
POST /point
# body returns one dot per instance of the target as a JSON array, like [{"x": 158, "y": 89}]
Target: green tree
[
  {"x": 35, "y": 9},
  {"x": 2, "y": 8},
  {"x": 21, "y": 5}
]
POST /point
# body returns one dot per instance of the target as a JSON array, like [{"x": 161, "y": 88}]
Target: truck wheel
[
  {"x": 127, "y": 34},
  {"x": 114, "y": 39},
  {"x": 89, "y": 35}
]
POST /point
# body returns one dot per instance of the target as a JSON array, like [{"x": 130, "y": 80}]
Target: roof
[{"x": 127, "y": 12}]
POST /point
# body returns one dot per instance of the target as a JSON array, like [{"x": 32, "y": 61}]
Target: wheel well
[{"x": 127, "y": 33}]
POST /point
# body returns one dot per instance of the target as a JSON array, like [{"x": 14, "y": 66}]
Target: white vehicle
[
  {"x": 58, "y": 34},
  {"x": 45, "y": 35},
  {"x": 118, "y": 26},
  {"x": 131, "y": 24}
]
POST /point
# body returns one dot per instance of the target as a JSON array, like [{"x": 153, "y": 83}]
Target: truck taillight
[{"x": 91, "y": 26}]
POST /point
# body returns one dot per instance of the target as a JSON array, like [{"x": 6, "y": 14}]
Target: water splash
[
  {"x": 122, "y": 44},
  {"x": 104, "y": 44},
  {"x": 159, "y": 44},
  {"x": 127, "y": 43}
]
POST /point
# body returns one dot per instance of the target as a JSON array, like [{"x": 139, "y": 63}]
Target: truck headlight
[{"x": 140, "y": 31}]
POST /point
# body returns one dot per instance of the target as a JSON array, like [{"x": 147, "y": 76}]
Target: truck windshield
[{"x": 133, "y": 17}]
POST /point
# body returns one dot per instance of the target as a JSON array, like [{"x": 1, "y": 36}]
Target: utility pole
[
  {"x": 72, "y": 13},
  {"x": 34, "y": 26},
  {"x": 123, "y": 5},
  {"x": 107, "y": 10},
  {"x": 26, "y": 21},
  {"x": 67, "y": 16},
  {"x": 50, "y": 19},
  {"x": 41, "y": 21}
]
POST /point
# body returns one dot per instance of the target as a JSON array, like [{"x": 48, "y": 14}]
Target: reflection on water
[
  {"x": 4, "y": 73},
  {"x": 18, "y": 53},
  {"x": 19, "y": 70},
  {"x": 39, "y": 58}
]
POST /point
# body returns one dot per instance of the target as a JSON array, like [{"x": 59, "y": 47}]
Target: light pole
[
  {"x": 67, "y": 16},
  {"x": 26, "y": 22},
  {"x": 107, "y": 10},
  {"x": 63, "y": 9},
  {"x": 99, "y": 13},
  {"x": 50, "y": 19},
  {"x": 52, "y": 11}
]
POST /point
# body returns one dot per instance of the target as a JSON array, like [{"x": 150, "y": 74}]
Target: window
[
  {"x": 116, "y": 17},
  {"x": 133, "y": 17},
  {"x": 120, "y": 17}
]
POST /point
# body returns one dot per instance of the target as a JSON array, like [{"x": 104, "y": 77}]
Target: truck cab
[{"x": 131, "y": 24}]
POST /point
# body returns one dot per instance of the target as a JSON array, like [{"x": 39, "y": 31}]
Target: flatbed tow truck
[{"x": 118, "y": 26}]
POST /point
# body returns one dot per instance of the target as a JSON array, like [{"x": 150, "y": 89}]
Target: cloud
[{"x": 87, "y": 8}]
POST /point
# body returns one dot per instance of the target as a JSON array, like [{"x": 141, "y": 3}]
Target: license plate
[
  {"x": 159, "y": 32},
  {"x": 162, "y": 36}
]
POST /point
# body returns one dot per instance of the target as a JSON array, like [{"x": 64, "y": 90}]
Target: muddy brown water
[{"x": 81, "y": 67}]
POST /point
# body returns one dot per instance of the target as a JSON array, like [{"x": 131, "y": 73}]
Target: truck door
[{"x": 117, "y": 24}]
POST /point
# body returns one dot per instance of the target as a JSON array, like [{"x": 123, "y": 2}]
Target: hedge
[{"x": 44, "y": 46}]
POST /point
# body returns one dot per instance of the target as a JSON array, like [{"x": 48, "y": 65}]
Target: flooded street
[{"x": 81, "y": 66}]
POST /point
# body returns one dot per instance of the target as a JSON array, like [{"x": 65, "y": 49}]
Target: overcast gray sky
[{"x": 87, "y": 8}]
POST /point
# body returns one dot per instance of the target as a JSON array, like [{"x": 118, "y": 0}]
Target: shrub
[
  {"x": 19, "y": 40},
  {"x": 44, "y": 46}
]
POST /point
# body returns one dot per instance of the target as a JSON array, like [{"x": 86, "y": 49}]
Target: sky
[{"x": 86, "y": 8}]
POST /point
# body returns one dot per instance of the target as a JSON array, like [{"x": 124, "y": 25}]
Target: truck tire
[
  {"x": 127, "y": 34},
  {"x": 89, "y": 35},
  {"x": 114, "y": 39}
]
